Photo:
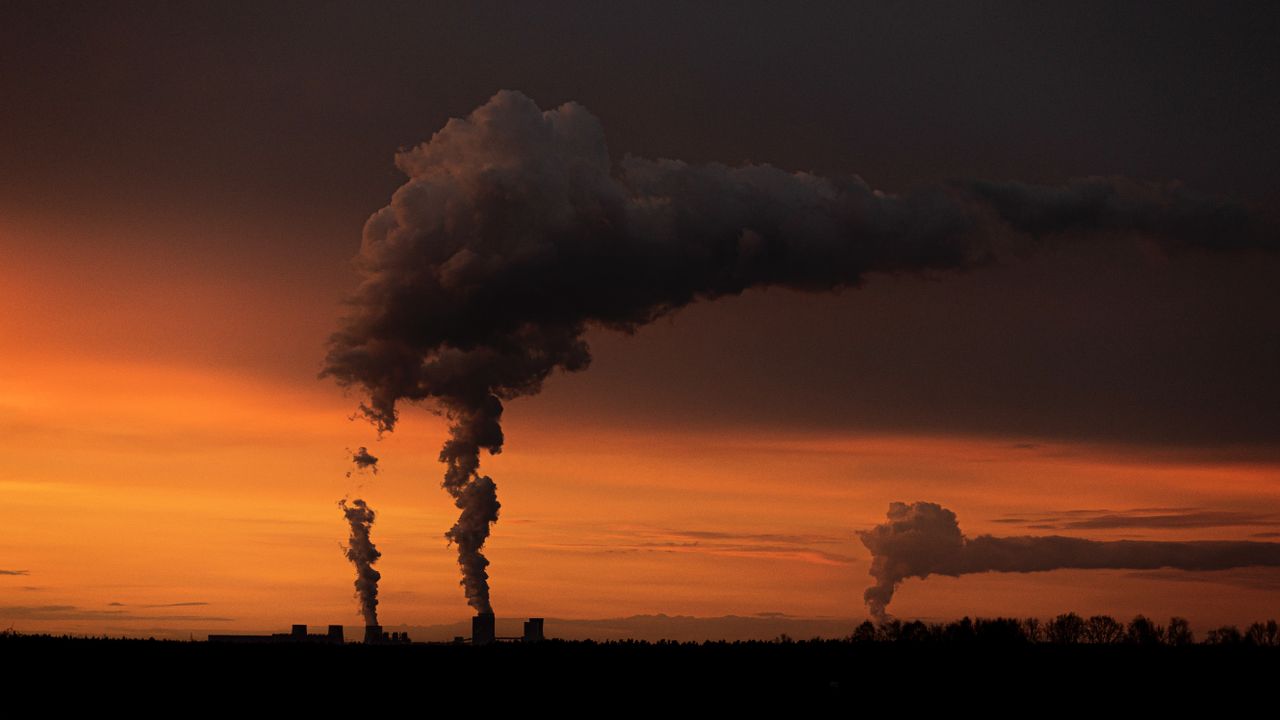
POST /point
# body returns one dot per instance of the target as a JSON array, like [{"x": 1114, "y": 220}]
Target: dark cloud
[
  {"x": 1038, "y": 93},
  {"x": 15, "y": 572},
  {"x": 923, "y": 539},
  {"x": 516, "y": 232},
  {"x": 1026, "y": 91}
]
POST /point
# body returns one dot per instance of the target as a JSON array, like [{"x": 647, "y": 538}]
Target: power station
[{"x": 483, "y": 632}]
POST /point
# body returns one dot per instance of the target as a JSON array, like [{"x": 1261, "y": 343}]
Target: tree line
[{"x": 1067, "y": 629}]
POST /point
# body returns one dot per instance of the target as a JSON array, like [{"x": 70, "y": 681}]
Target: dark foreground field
[{"x": 582, "y": 674}]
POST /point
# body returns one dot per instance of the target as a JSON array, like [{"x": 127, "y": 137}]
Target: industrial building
[
  {"x": 483, "y": 632},
  {"x": 374, "y": 635},
  {"x": 298, "y": 634}
]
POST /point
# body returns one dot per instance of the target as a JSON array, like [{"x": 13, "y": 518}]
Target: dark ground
[{"x": 580, "y": 675}]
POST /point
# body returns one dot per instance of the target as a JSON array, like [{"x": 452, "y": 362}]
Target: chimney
[
  {"x": 336, "y": 635},
  {"x": 373, "y": 634},
  {"x": 482, "y": 629},
  {"x": 533, "y": 630}
]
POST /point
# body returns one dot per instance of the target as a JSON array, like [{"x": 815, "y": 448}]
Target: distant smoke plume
[
  {"x": 923, "y": 539},
  {"x": 516, "y": 232},
  {"x": 363, "y": 461},
  {"x": 361, "y": 552}
]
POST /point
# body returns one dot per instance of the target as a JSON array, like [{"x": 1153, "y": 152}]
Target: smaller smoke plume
[
  {"x": 923, "y": 539},
  {"x": 361, "y": 552},
  {"x": 363, "y": 460}
]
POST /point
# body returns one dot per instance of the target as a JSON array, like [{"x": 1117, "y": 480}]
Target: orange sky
[{"x": 173, "y": 464}]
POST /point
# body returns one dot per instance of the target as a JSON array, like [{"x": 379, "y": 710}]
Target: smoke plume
[
  {"x": 923, "y": 539},
  {"x": 363, "y": 460},
  {"x": 361, "y": 552},
  {"x": 516, "y": 231}
]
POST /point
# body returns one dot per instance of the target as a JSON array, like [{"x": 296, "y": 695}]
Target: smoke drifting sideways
[
  {"x": 516, "y": 231},
  {"x": 362, "y": 553},
  {"x": 923, "y": 539}
]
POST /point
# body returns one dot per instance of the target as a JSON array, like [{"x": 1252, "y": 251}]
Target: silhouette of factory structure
[
  {"x": 483, "y": 632},
  {"x": 373, "y": 635}
]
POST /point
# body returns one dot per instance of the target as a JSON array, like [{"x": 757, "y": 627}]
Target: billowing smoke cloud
[
  {"x": 361, "y": 552},
  {"x": 923, "y": 539},
  {"x": 516, "y": 232},
  {"x": 363, "y": 460}
]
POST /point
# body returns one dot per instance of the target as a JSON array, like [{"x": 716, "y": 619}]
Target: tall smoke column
[
  {"x": 923, "y": 539},
  {"x": 474, "y": 494},
  {"x": 516, "y": 232},
  {"x": 361, "y": 552}
]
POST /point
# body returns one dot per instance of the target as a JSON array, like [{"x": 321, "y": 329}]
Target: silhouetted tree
[
  {"x": 961, "y": 631},
  {"x": 1225, "y": 635},
  {"x": 1142, "y": 631},
  {"x": 890, "y": 630},
  {"x": 914, "y": 631},
  {"x": 1179, "y": 632},
  {"x": 1000, "y": 631},
  {"x": 866, "y": 632},
  {"x": 1067, "y": 628},
  {"x": 1031, "y": 629},
  {"x": 1103, "y": 630},
  {"x": 1263, "y": 634}
]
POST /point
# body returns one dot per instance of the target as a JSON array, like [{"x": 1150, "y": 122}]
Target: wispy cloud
[
  {"x": 161, "y": 605},
  {"x": 72, "y": 612},
  {"x": 1154, "y": 518},
  {"x": 799, "y": 548},
  {"x": 1192, "y": 519},
  {"x": 1251, "y": 578},
  {"x": 15, "y": 572}
]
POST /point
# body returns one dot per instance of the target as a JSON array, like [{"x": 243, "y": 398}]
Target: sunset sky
[{"x": 183, "y": 187}]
